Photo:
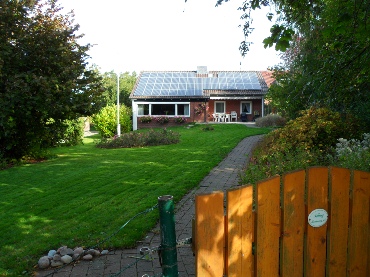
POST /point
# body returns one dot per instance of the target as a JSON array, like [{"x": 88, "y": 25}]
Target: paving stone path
[{"x": 224, "y": 176}]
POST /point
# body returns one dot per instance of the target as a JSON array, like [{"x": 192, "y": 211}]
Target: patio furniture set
[{"x": 225, "y": 117}]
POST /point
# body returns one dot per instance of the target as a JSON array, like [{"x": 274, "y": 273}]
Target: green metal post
[{"x": 168, "y": 236}]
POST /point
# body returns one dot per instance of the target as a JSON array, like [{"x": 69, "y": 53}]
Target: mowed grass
[{"x": 87, "y": 193}]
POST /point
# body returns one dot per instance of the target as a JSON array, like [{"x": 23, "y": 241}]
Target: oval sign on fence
[{"x": 318, "y": 217}]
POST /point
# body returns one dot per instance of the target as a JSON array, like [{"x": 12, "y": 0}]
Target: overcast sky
[{"x": 137, "y": 35}]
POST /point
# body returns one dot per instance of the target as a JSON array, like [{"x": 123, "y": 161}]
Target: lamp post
[{"x": 118, "y": 124}]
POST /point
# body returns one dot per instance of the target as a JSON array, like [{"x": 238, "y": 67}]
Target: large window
[
  {"x": 163, "y": 109},
  {"x": 246, "y": 107},
  {"x": 170, "y": 109},
  {"x": 220, "y": 107}
]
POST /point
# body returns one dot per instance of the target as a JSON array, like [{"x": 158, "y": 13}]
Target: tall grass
[{"x": 86, "y": 193}]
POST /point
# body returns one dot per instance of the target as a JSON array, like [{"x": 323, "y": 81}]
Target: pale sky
[{"x": 138, "y": 35}]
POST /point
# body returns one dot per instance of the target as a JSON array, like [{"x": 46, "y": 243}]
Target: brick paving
[{"x": 224, "y": 176}]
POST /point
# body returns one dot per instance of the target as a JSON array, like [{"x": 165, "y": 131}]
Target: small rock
[
  {"x": 52, "y": 253},
  {"x": 78, "y": 250},
  {"x": 96, "y": 253},
  {"x": 66, "y": 251},
  {"x": 60, "y": 249},
  {"x": 56, "y": 263},
  {"x": 87, "y": 257},
  {"x": 104, "y": 252},
  {"x": 57, "y": 257},
  {"x": 44, "y": 262},
  {"x": 66, "y": 259},
  {"x": 76, "y": 257},
  {"x": 91, "y": 252}
]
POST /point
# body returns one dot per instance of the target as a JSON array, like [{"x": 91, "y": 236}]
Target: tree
[
  {"x": 126, "y": 84},
  {"x": 329, "y": 56},
  {"x": 43, "y": 74}
]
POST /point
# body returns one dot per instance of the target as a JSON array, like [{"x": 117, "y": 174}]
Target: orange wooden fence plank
[
  {"x": 240, "y": 232},
  {"x": 339, "y": 220},
  {"x": 294, "y": 221},
  {"x": 317, "y": 198},
  {"x": 209, "y": 239},
  {"x": 359, "y": 228},
  {"x": 268, "y": 227}
]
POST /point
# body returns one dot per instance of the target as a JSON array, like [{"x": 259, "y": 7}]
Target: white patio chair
[
  {"x": 215, "y": 117},
  {"x": 234, "y": 115}
]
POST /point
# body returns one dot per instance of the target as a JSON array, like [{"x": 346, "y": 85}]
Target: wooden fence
[{"x": 266, "y": 230}]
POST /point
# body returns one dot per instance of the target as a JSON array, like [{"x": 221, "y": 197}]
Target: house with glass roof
[{"x": 172, "y": 97}]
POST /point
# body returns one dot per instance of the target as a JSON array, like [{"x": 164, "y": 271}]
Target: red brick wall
[
  {"x": 234, "y": 105},
  {"x": 231, "y": 105}
]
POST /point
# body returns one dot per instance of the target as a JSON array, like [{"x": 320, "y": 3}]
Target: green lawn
[{"x": 87, "y": 193}]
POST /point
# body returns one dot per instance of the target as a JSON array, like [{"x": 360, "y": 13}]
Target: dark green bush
[
  {"x": 141, "y": 139},
  {"x": 66, "y": 132}
]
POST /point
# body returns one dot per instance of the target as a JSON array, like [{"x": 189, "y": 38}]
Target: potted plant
[
  {"x": 179, "y": 119},
  {"x": 162, "y": 119},
  {"x": 145, "y": 119}
]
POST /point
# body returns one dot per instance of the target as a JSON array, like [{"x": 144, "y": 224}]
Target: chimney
[{"x": 202, "y": 70}]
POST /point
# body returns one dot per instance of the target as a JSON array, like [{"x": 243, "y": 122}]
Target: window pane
[
  {"x": 220, "y": 107},
  {"x": 183, "y": 109},
  {"x": 246, "y": 107},
  {"x": 143, "y": 109},
  {"x": 163, "y": 109}
]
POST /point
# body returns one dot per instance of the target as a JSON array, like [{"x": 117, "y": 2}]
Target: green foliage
[
  {"x": 67, "y": 132},
  {"x": 126, "y": 84},
  {"x": 141, "y": 139},
  {"x": 43, "y": 75},
  {"x": 106, "y": 120},
  {"x": 179, "y": 119},
  {"x": 265, "y": 165},
  {"x": 305, "y": 141},
  {"x": 353, "y": 153},
  {"x": 316, "y": 127},
  {"x": 327, "y": 54},
  {"x": 146, "y": 119},
  {"x": 271, "y": 120},
  {"x": 162, "y": 119}
]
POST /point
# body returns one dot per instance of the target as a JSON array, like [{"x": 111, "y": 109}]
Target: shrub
[
  {"x": 270, "y": 120},
  {"x": 353, "y": 153},
  {"x": 106, "y": 120},
  {"x": 140, "y": 139},
  {"x": 316, "y": 128},
  {"x": 179, "y": 119},
  {"x": 145, "y": 119},
  {"x": 306, "y": 141},
  {"x": 66, "y": 132},
  {"x": 162, "y": 119}
]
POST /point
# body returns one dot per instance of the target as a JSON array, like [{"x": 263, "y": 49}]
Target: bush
[
  {"x": 271, "y": 120},
  {"x": 353, "y": 154},
  {"x": 66, "y": 132},
  {"x": 145, "y": 119},
  {"x": 106, "y": 120},
  {"x": 179, "y": 119},
  {"x": 162, "y": 119},
  {"x": 141, "y": 139},
  {"x": 306, "y": 141}
]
